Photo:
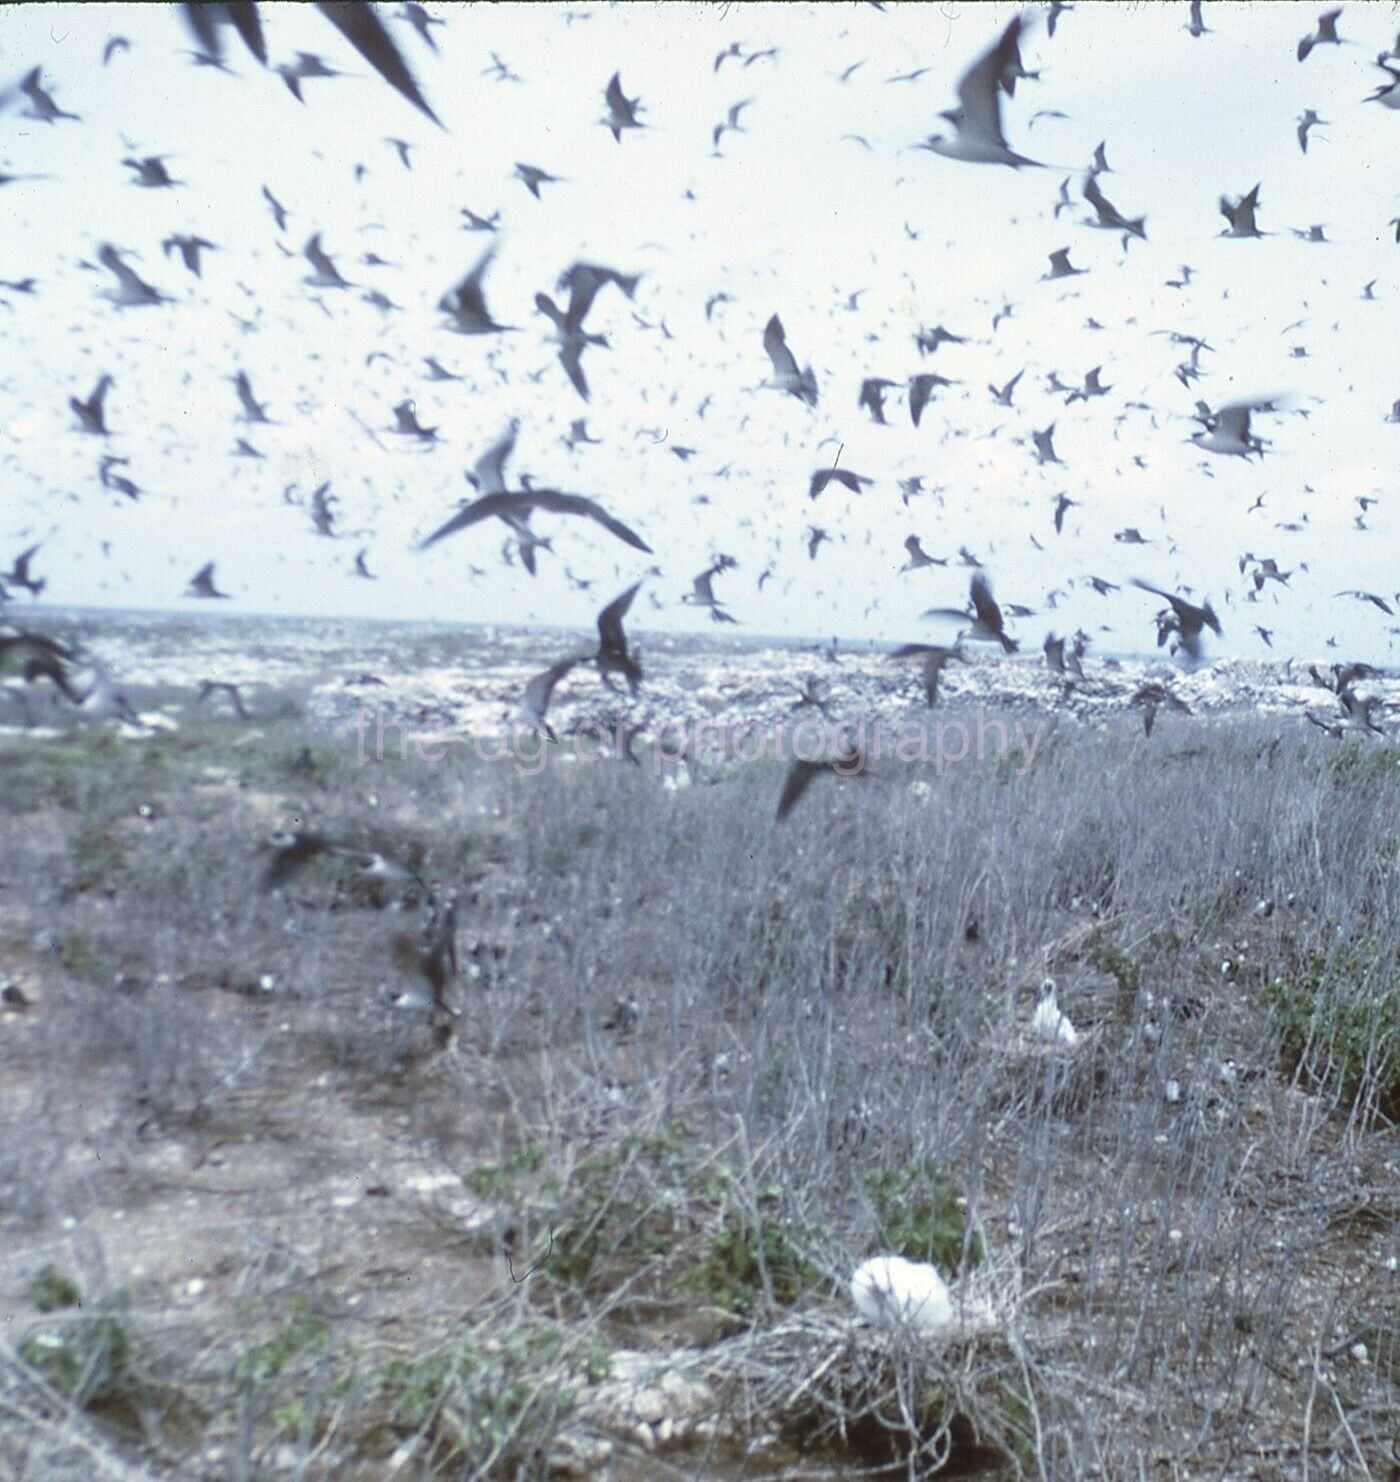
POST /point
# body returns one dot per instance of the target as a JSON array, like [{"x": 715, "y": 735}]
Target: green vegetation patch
[
  {"x": 1338, "y": 1012},
  {"x": 922, "y": 1217}
]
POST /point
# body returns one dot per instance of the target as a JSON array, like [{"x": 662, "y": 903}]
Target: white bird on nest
[
  {"x": 894, "y": 1292},
  {"x": 1049, "y": 1020}
]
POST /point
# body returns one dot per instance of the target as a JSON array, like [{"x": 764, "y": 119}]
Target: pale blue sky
[{"x": 792, "y": 219}]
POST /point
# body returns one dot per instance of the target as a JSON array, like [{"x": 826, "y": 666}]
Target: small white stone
[{"x": 649, "y": 1405}]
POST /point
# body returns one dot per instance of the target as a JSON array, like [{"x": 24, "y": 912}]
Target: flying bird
[
  {"x": 326, "y": 274},
  {"x": 406, "y": 424},
  {"x": 921, "y": 391},
  {"x": 918, "y": 556},
  {"x": 488, "y": 475},
  {"x": 91, "y": 414},
  {"x": 202, "y": 583},
  {"x": 465, "y": 305},
  {"x": 1045, "y": 445},
  {"x": 1108, "y": 217},
  {"x": 1359, "y": 709},
  {"x": 41, "y": 103},
  {"x": 1308, "y": 121},
  {"x": 622, "y": 110},
  {"x": 1227, "y": 432},
  {"x": 986, "y": 622},
  {"x": 1372, "y": 598},
  {"x": 1092, "y": 387},
  {"x": 786, "y": 376},
  {"x": 849, "y": 761},
  {"x": 133, "y": 291},
  {"x": 1060, "y": 267},
  {"x": 731, "y": 125},
  {"x": 583, "y": 280},
  {"x": 978, "y": 136},
  {"x": 19, "y": 574},
  {"x": 1325, "y": 34},
  {"x": 307, "y": 64},
  {"x": 571, "y": 336},
  {"x": 854, "y": 482},
  {"x": 1388, "y": 93},
  {"x": 253, "y": 409},
  {"x": 294, "y": 849},
  {"x": 936, "y": 657},
  {"x": 323, "y": 516},
  {"x": 614, "y": 656},
  {"x": 533, "y": 178},
  {"x": 1240, "y": 215},
  {"x": 417, "y": 16},
  {"x": 279, "y": 211},
  {"x": 534, "y": 706},
  {"x": 116, "y": 482},
  {"x": 38, "y": 656},
  {"x": 1062, "y": 660},
  {"x": 520, "y": 506},
  {"x": 872, "y": 397},
  {"x": 578, "y": 435},
  {"x": 189, "y": 248},
  {"x": 928, "y": 340},
  {"x": 1150, "y": 698},
  {"x": 210, "y": 687},
  {"x": 702, "y": 593},
  {"x": 151, "y": 172},
  {"x": 1187, "y": 619},
  {"x": 1005, "y": 393}
]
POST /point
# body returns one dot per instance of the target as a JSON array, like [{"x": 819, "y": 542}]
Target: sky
[{"x": 822, "y": 210}]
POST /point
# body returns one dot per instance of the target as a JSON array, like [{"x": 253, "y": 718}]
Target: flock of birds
[
  {"x": 885, "y": 1289},
  {"x": 520, "y": 510}
]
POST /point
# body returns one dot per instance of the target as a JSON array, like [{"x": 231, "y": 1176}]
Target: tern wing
[
  {"x": 984, "y": 604},
  {"x": 577, "y": 504},
  {"x": 775, "y": 343},
  {"x": 610, "y": 620},
  {"x": 978, "y": 92},
  {"x": 472, "y": 514}
]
